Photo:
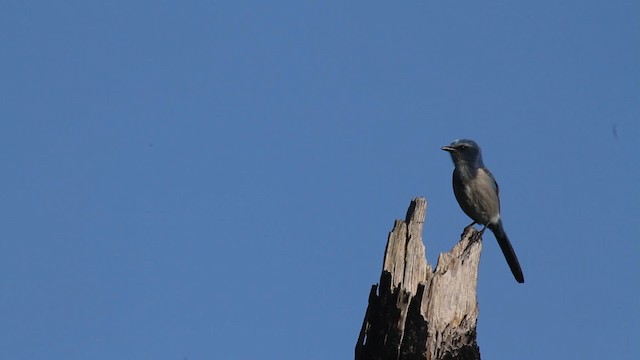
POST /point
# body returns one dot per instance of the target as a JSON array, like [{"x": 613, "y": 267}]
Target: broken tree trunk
[{"x": 417, "y": 313}]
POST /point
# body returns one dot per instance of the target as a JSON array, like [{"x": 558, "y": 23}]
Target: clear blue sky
[{"x": 216, "y": 180}]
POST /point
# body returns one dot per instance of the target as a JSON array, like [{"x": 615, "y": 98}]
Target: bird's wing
[{"x": 495, "y": 183}]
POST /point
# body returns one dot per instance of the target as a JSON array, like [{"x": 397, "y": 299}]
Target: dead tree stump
[{"x": 417, "y": 313}]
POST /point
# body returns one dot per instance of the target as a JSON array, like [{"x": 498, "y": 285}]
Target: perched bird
[{"x": 477, "y": 193}]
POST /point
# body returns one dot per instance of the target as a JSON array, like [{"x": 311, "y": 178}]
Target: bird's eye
[{"x": 463, "y": 147}]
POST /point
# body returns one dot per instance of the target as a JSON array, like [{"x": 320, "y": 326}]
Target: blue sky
[{"x": 216, "y": 180}]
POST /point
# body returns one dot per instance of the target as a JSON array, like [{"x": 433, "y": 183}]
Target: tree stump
[{"x": 417, "y": 313}]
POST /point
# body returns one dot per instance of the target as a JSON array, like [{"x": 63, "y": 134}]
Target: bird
[{"x": 477, "y": 193}]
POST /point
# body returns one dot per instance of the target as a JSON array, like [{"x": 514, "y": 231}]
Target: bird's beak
[{"x": 448, "y": 148}]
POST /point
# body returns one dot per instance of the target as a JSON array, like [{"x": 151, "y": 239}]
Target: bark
[{"x": 416, "y": 312}]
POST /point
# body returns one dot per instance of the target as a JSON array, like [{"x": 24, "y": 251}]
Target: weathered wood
[{"x": 417, "y": 313}]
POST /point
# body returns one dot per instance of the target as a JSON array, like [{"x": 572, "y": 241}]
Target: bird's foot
[
  {"x": 478, "y": 234},
  {"x": 467, "y": 228}
]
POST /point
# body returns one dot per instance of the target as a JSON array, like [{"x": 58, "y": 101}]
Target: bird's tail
[{"x": 507, "y": 250}]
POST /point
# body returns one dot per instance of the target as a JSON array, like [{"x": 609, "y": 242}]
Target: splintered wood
[{"x": 417, "y": 313}]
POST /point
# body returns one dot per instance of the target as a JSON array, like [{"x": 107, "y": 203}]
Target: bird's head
[{"x": 464, "y": 152}]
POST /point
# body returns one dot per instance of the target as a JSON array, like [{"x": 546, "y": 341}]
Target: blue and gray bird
[{"x": 477, "y": 193}]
